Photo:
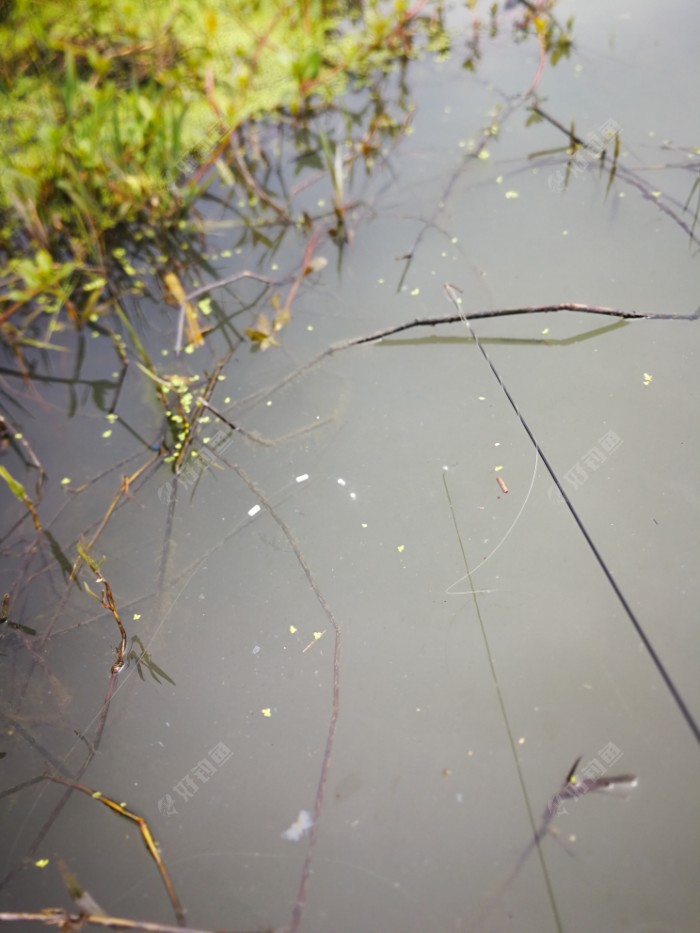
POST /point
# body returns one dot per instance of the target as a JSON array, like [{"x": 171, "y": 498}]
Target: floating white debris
[
  {"x": 341, "y": 482},
  {"x": 256, "y": 649},
  {"x": 254, "y": 510},
  {"x": 303, "y": 478},
  {"x": 299, "y": 827},
  {"x": 353, "y": 495}
]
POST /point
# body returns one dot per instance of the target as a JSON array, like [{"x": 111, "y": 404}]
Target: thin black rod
[{"x": 665, "y": 676}]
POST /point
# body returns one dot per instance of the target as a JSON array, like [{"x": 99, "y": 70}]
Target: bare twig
[
  {"x": 455, "y": 319},
  {"x": 107, "y": 602},
  {"x": 59, "y": 917},
  {"x": 146, "y": 835}
]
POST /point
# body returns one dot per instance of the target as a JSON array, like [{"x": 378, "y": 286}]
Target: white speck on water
[
  {"x": 256, "y": 649},
  {"x": 353, "y": 495},
  {"x": 303, "y": 478},
  {"x": 341, "y": 482},
  {"x": 254, "y": 510},
  {"x": 299, "y": 827}
]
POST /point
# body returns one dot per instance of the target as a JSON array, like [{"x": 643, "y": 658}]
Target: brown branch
[
  {"x": 625, "y": 173},
  {"x": 456, "y": 319},
  {"x": 108, "y": 603},
  {"x": 59, "y": 917},
  {"x": 146, "y": 835}
]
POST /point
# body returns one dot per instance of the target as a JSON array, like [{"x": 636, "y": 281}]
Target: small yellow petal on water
[
  {"x": 41, "y": 863},
  {"x": 65, "y": 481},
  {"x": 293, "y": 629},
  {"x": 546, "y": 330},
  {"x": 511, "y": 195},
  {"x": 106, "y": 434},
  {"x": 266, "y": 712},
  {"x": 400, "y": 548},
  {"x": 498, "y": 468},
  {"x": 136, "y": 616},
  {"x": 317, "y": 635}
]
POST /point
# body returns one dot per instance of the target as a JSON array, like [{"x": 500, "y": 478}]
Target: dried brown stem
[
  {"x": 456, "y": 319},
  {"x": 146, "y": 835},
  {"x": 59, "y": 917}
]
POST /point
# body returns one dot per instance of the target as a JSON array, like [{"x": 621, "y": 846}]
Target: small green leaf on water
[
  {"x": 99, "y": 282},
  {"x": 17, "y": 489}
]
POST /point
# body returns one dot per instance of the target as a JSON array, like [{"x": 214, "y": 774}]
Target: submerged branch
[
  {"x": 146, "y": 835},
  {"x": 59, "y": 917}
]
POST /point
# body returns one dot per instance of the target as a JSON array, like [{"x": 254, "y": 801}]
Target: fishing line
[
  {"x": 511, "y": 738},
  {"x": 451, "y": 291}
]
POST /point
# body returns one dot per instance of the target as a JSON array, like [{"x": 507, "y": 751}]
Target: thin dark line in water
[
  {"x": 306, "y": 872},
  {"x": 536, "y": 834},
  {"x": 665, "y": 676}
]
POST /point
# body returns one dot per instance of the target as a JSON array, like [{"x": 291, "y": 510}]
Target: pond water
[{"x": 359, "y": 670}]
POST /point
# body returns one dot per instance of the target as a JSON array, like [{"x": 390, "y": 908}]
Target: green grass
[{"x": 112, "y": 111}]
